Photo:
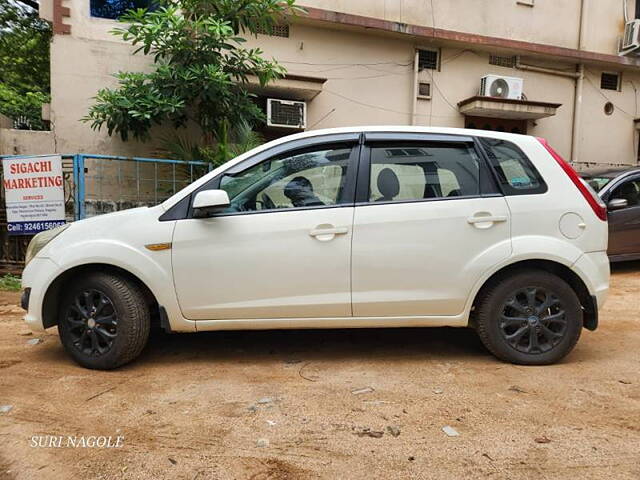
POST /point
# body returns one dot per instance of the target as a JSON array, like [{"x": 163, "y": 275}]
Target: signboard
[{"x": 34, "y": 194}]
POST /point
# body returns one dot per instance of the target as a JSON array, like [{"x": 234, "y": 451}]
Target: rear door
[{"x": 428, "y": 223}]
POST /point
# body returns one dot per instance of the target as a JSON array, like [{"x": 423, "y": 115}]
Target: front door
[
  {"x": 282, "y": 249},
  {"x": 624, "y": 224},
  {"x": 426, "y": 230}
]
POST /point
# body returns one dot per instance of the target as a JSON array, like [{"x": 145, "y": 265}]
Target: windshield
[{"x": 598, "y": 183}]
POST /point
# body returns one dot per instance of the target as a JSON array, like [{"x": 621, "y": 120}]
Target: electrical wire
[
  {"x": 322, "y": 119},
  {"x": 607, "y": 98},
  {"x": 347, "y": 64},
  {"x": 444, "y": 97},
  {"x": 384, "y": 109}
]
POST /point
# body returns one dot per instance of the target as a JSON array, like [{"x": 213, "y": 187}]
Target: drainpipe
[
  {"x": 578, "y": 75},
  {"x": 577, "y": 102},
  {"x": 577, "y": 114},
  {"x": 550, "y": 71},
  {"x": 414, "y": 104}
]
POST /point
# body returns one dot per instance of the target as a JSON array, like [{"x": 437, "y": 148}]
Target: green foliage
[
  {"x": 200, "y": 68},
  {"x": 26, "y": 106},
  {"x": 240, "y": 140},
  {"x": 24, "y": 63},
  {"x": 11, "y": 283}
]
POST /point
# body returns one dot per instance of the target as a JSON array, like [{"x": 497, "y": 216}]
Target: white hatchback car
[{"x": 343, "y": 228}]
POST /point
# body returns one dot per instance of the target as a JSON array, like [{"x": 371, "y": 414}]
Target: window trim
[{"x": 488, "y": 187}]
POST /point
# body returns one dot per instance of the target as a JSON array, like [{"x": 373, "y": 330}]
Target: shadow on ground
[
  {"x": 625, "y": 267},
  {"x": 330, "y": 345}
]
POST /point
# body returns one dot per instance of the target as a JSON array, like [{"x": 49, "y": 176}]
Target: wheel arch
[
  {"x": 51, "y": 302},
  {"x": 562, "y": 271}
]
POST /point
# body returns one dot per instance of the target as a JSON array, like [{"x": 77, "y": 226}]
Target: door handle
[
  {"x": 486, "y": 219},
  {"x": 319, "y": 231}
]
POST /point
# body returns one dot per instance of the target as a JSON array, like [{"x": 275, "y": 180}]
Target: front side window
[
  {"x": 423, "y": 171},
  {"x": 308, "y": 179},
  {"x": 516, "y": 174},
  {"x": 114, "y": 9},
  {"x": 629, "y": 191}
]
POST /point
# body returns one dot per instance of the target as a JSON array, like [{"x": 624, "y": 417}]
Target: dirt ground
[{"x": 281, "y": 405}]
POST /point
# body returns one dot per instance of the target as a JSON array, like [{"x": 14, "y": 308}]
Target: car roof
[
  {"x": 407, "y": 129},
  {"x": 608, "y": 172}
]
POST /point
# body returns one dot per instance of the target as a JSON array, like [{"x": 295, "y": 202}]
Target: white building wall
[{"x": 370, "y": 74}]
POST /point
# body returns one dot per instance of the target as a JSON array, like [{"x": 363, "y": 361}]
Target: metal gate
[{"x": 97, "y": 184}]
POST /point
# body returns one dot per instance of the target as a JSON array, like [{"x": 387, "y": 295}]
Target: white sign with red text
[{"x": 34, "y": 194}]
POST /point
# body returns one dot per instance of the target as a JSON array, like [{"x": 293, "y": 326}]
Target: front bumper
[
  {"x": 36, "y": 278},
  {"x": 24, "y": 299}
]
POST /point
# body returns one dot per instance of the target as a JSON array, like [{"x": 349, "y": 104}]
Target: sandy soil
[{"x": 279, "y": 405}]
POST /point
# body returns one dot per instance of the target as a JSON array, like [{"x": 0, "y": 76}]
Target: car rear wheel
[
  {"x": 104, "y": 321},
  {"x": 530, "y": 318}
]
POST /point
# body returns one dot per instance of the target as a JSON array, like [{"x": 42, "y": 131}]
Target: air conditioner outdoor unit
[
  {"x": 501, "y": 87},
  {"x": 631, "y": 37},
  {"x": 286, "y": 114}
]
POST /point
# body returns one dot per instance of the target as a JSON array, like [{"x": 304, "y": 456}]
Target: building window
[
  {"x": 275, "y": 31},
  {"x": 610, "y": 81},
  {"x": 428, "y": 59},
  {"x": 508, "y": 62},
  {"x": 114, "y": 9},
  {"x": 424, "y": 90}
]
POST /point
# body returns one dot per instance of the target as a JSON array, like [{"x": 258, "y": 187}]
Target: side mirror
[
  {"x": 618, "y": 204},
  {"x": 209, "y": 202}
]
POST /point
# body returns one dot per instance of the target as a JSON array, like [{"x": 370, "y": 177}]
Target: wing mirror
[
  {"x": 209, "y": 202},
  {"x": 618, "y": 204}
]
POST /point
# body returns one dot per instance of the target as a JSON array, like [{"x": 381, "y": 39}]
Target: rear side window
[
  {"x": 423, "y": 171},
  {"x": 515, "y": 172}
]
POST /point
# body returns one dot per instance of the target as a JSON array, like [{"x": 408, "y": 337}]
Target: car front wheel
[
  {"x": 104, "y": 321},
  {"x": 529, "y": 318}
]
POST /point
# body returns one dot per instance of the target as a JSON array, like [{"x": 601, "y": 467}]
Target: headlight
[{"x": 38, "y": 242}]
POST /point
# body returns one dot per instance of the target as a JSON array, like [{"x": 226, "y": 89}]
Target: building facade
[{"x": 402, "y": 62}]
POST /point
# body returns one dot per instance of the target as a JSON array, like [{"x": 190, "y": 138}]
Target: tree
[
  {"x": 200, "y": 70},
  {"x": 24, "y": 63},
  {"x": 115, "y": 8}
]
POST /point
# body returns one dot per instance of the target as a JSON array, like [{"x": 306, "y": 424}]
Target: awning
[
  {"x": 291, "y": 87},
  {"x": 494, "y": 107}
]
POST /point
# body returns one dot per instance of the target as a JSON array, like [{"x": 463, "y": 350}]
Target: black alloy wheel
[
  {"x": 529, "y": 317},
  {"x": 93, "y": 322},
  {"x": 533, "y": 320},
  {"x": 104, "y": 319}
]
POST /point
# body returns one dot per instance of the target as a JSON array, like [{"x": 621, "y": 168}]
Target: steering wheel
[{"x": 267, "y": 203}]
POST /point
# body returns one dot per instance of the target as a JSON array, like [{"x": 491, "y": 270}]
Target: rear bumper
[{"x": 594, "y": 269}]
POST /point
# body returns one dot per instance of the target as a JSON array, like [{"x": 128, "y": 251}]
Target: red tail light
[{"x": 597, "y": 205}]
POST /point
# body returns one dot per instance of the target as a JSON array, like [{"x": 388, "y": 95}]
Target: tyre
[
  {"x": 530, "y": 318},
  {"x": 104, "y": 321}
]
